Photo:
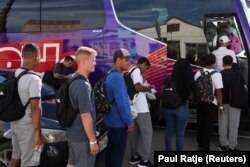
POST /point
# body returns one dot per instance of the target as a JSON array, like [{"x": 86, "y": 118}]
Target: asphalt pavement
[{"x": 189, "y": 145}]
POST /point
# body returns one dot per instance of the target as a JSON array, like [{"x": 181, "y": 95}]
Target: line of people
[
  {"x": 83, "y": 146},
  {"x": 208, "y": 114}
]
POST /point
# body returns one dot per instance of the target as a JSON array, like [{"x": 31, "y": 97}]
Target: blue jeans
[
  {"x": 176, "y": 122},
  {"x": 117, "y": 141}
]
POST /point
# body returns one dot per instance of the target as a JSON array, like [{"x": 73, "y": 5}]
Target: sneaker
[
  {"x": 146, "y": 163},
  {"x": 222, "y": 148},
  {"x": 135, "y": 160}
]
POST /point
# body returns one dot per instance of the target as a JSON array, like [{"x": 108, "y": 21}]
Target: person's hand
[
  {"x": 153, "y": 91},
  {"x": 220, "y": 109},
  {"x": 39, "y": 139},
  {"x": 131, "y": 128},
  {"x": 94, "y": 148}
]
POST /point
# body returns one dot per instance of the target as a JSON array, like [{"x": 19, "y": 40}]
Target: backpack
[
  {"x": 170, "y": 96},
  {"x": 238, "y": 95},
  {"x": 130, "y": 84},
  {"x": 65, "y": 112},
  {"x": 11, "y": 106},
  {"x": 204, "y": 87},
  {"x": 102, "y": 103}
]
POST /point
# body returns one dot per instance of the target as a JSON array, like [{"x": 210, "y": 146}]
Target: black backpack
[
  {"x": 204, "y": 88},
  {"x": 102, "y": 103},
  {"x": 130, "y": 84},
  {"x": 238, "y": 94},
  {"x": 11, "y": 106},
  {"x": 65, "y": 112},
  {"x": 170, "y": 96}
]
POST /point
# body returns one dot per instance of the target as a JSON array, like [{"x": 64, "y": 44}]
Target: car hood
[{"x": 46, "y": 123}]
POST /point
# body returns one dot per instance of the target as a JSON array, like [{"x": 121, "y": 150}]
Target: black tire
[{"x": 5, "y": 154}]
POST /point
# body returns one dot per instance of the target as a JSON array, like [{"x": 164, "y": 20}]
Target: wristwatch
[{"x": 221, "y": 107}]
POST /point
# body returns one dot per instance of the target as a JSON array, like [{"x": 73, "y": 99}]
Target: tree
[{"x": 3, "y": 15}]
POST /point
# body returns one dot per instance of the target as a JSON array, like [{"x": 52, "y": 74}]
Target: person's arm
[
  {"x": 140, "y": 88},
  {"x": 218, "y": 93},
  {"x": 87, "y": 123},
  {"x": 60, "y": 76},
  {"x": 121, "y": 98},
  {"x": 82, "y": 95},
  {"x": 36, "y": 117},
  {"x": 34, "y": 89},
  {"x": 57, "y": 72},
  {"x": 137, "y": 80}
]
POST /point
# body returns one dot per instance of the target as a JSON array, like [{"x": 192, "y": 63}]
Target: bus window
[
  {"x": 72, "y": 15},
  {"x": 177, "y": 23},
  {"x": 217, "y": 24},
  {"x": 246, "y": 8},
  {"x": 48, "y": 15},
  {"x": 15, "y": 14}
]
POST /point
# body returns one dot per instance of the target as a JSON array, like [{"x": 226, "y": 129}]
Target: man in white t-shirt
[
  {"x": 223, "y": 51},
  {"x": 207, "y": 114},
  {"x": 27, "y": 130},
  {"x": 141, "y": 138}
]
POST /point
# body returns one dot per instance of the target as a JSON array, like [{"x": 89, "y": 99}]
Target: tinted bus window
[
  {"x": 15, "y": 14},
  {"x": 246, "y": 8},
  {"x": 145, "y": 13},
  {"x": 72, "y": 15},
  {"x": 50, "y": 15},
  {"x": 177, "y": 23}
]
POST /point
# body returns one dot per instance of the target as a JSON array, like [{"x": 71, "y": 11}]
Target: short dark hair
[
  {"x": 143, "y": 60},
  {"x": 227, "y": 60},
  {"x": 68, "y": 58},
  {"x": 209, "y": 59},
  {"x": 30, "y": 50}
]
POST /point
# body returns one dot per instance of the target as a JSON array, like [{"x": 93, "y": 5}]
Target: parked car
[{"x": 55, "y": 152}]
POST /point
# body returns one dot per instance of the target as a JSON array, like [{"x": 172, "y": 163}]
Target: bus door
[{"x": 215, "y": 24}]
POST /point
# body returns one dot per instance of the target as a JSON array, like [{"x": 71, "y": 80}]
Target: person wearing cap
[
  {"x": 118, "y": 120},
  {"x": 223, "y": 51},
  {"x": 222, "y": 30}
]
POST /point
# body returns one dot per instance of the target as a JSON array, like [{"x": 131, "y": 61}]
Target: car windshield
[
  {"x": 2, "y": 79},
  {"x": 47, "y": 91}
]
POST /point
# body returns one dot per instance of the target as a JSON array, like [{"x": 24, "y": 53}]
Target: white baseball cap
[{"x": 224, "y": 39}]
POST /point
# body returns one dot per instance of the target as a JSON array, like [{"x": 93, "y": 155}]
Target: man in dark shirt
[
  {"x": 63, "y": 71},
  {"x": 83, "y": 145},
  {"x": 230, "y": 117}
]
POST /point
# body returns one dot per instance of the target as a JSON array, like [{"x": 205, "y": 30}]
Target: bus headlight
[{"x": 53, "y": 136}]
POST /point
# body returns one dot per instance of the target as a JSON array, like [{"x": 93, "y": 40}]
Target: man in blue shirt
[{"x": 118, "y": 119}]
